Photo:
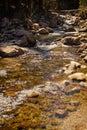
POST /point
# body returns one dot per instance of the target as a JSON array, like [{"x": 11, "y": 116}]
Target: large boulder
[{"x": 11, "y": 51}]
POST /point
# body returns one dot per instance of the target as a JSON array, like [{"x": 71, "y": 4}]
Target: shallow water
[{"x": 38, "y": 71}]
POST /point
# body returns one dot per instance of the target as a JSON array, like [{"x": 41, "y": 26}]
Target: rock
[
  {"x": 83, "y": 29},
  {"x": 33, "y": 94},
  {"x": 70, "y": 29},
  {"x": 61, "y": 113},
  {"x": 68, "y": 71},
  {"x": 22, "y": 42},
  {"x": 26, "y": 38},
  {"x": 18, "y": 33},
  {"x": 55, "y": 19},
  {"x": 71, "y": 41},
  {"x": 77, "y": 20},
  {"x": 83, "y": 66},
  {"x": 71, "y": 108},
  {"x": 82, "y": 48},
  {"x": 77, "y": 76},
  {"x": 3, "y": 73},
  {"x": 35, "y": 26},
  {"x": 29, "y": 23},
  {"x": 85, "y": 59},
  {"x": 74, "y": 65},
  {"x": 83, "y": 84},
  {"x": 30, "y": 38},
  {"x": 70, "y": 90},
  {"x": 50, "y": 30},
  {"x": 43, "y": 24},
  {"x": 71, "y": 67},
  {"x": 82, "y": 55},
  {"x": 11, "y": 93},
  {"x": 74, "y": 102},
  {"x": 84, "y": 40},
  {"x": 11, "y": 51},
  {"x": 43, "y": 31}
]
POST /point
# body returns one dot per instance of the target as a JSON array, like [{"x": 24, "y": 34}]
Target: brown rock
[
  {"x": 70, "y": 29},
  {"x": 85, "y": 59},
  {"x": 18, "y": 33},
  {"x": 70, "y": 90},
  {"x": 50, "y": 30},
  {"x": 30, "y": 38},
  {"x": 74, "y": 102},
  {"x": 33, "y": 94},
  {"x": 71, "y": 108},
  {"x": 10, "y": 93},
  {"x": 35, "y": 26},
  {"x": 61, "y": 113},
  {"x": 11, "y": 51},
  {"x": 77, "y": 76},
  {"x": 71, "y": 41},
  {"x": 43, "y": 31},
  {"x": 22, "y": 42}
]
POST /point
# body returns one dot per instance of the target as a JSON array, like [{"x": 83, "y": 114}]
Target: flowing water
[{"x": 38, "y": 71}]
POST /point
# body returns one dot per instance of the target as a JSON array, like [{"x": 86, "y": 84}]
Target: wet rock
[
  {"x": 43, "y": 31},
  {"x": 43, "y": 126},
  {"x": 28, "y": 23},
  {"x": 74, "y": 102},
  {"x": 10, "y": 93},
  {"x": 70, "y": 90},
  {"x": 11, "y": 51},
  {"x": 35, "y": 26},
  {"x": 83, "y": 84},
  {"x": 55, "y": 19},
  {"x": 22, "y": 42},
  {"x": 30, "y": 38},
  {"x": 18, "y": 33},
  {"x": 61, "y": 113},
  {"x": 32, "y": 94},
  {"x": 26, "y": 39},
  {"x": 83, "y": 29},
  {"x": 50, "y": 30},
  {"x": 85, "y": 59},
  {"x": 69, "y": 69},
  {"x": 77, "y": 76},
  {"x": 83, "y": 66},
  {"x": 82, "y": 48},
  {"x": 74, "y": 65},
  {"x": 71, "y": 41},
  {"x": 43, "y": 24},
  {"x": 71, "y": 108},
  {"x": 51, "y": 87},
  {"x": 70, "y": 29}
]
